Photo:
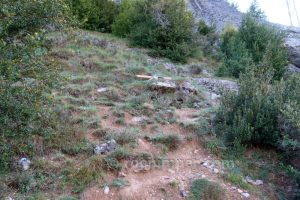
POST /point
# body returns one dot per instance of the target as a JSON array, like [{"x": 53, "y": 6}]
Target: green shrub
[
  {"x": 236, "y": 58},
  {"x": 255, "y": 41},
  {"x": 94, "y": 14},
  {"x": 207, "y": 40},
  {"x": 206, "y": 190},
  {"x": 26, "y": 75},
  {"x": 261, "y": 113},
  {"x": 164, "y": 26}
]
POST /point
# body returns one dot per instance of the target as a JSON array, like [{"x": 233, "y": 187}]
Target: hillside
[{"x": 138, "y": 100}]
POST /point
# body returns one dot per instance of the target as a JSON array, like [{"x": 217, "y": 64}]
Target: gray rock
[
  {"x": 292, "y": 69},
  {"x": 24, "y": 163},
  {"x": 215, "y": 85},
  {"x": 101, "y": 90},
  {"x": 138, "y": 120},
  {"x": 183, "y": 193},
  {"x": 245, "y": 194},
  {"x": 248, "y": 179},
  {"x": 259, "y": 182},
  {"x": 105, "y": 147},
  {"x": 111, "y": 145},
  {"x": 106, "y": 190},
  {"x": 100, "y": 149}
]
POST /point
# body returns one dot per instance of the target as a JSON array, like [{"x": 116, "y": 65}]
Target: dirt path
[{"x": 175, "y": 173}]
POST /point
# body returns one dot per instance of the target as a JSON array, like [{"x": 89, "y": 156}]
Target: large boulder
[{"x": 292, "y": 44}]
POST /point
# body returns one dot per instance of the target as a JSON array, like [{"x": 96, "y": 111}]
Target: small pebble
[
  {"x": 106, "y": 190},
  {"x": 245, "y": 194}
]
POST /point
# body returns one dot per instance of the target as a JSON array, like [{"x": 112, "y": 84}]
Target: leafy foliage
[
  {"x": 94, "y": 14},
  {"x": 26, "y": 77},
  {"x": 164, "y": 26},
  {"x": 255, "y": 41},
  {"x": 208, "y": 40},
  {"x": 235, "y": 55},
  {"x": 262, "y": 112}
]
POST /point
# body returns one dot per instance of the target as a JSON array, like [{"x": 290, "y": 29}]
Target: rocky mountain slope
[{"x": 220, "y": 13}]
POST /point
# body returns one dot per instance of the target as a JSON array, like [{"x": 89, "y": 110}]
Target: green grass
[
  {"x": 203, "y": 189},
  {"x": 171, "y": 141}
]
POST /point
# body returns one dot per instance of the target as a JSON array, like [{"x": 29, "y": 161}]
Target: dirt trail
[{"x": 175, "y": 173}]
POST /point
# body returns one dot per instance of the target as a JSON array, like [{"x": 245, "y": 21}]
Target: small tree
[
  {"x": 263, "y": 43},
  {"x": 165, "y": 26},
  {"x": 94, "y": 14},
  {"x": 235, "y": 55}
]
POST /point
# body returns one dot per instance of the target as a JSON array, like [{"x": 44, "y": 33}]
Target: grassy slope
[{"x": 91, "y": 61}]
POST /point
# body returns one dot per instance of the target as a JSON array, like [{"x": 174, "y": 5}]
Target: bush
[
  {"x": 26, "y": 76},
  {"x": 94, "y": 14},
  {"x": 164, "y": 26},
  {"x": 255, "y": 40},
  {"x": 261, "y": 113},
  {"x": 206, "y": 190},
  {"x": 207, "y": 40},
  {"x": 236, "y": 58},
  {"x": 170, "y": 141}
]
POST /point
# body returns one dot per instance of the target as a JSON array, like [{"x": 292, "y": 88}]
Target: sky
[{"x": 275, "y": 10}]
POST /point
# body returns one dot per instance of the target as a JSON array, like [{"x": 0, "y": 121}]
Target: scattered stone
[
  {"x": 111, "y": 145},
  {"x": 233, "y": 188},
  {"x": 106, "y": 190},
  {"x": 106, "y": 147},
  {"x": 165, "y": 86},
  {"x": 138, "y": 120},
  {"x": 183, "y": 193},
  {"x": 9, "y": 198},
  {"x": 245, "y": 194},
  {"x": 203, "y": 176},
  {"x": 259, "y": 182},
  {"x": 101, "y": 90},
  {"x": 248, "y": 179},
  {"x": 122, "y": 174},
  {"x": 188, "y": 88},
  {"x": 215, "y": 85},
  {"x": 171, "y": 171},
  {"x": 24, "y": 163},
  {"x": 216, "y": 171},
  {"x": 205, "y": 164},
  {"x": 171, "y": 67},
  {"x": 240, "y": 191},
  {"x": 100, "y": 149}
]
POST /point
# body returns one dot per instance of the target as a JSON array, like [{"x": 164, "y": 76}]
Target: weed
[
  {"x": 120, "y": 153},
  {"x": 173, "y": 184},
  {"x": 124, "y": 137},
  {"x": 112, "y": 164},
  {"x": 120, "y": 121},
  {"x": 74, "y": 149},
  {"x": 119, "y": 183},
  {"x": 89, "y": 172},
  {"x": 236, "y": 179},
  {"x": 171, "y": 141},
  {"x": 206, "y": 190},
  {"x": 100, "y": 133}
]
